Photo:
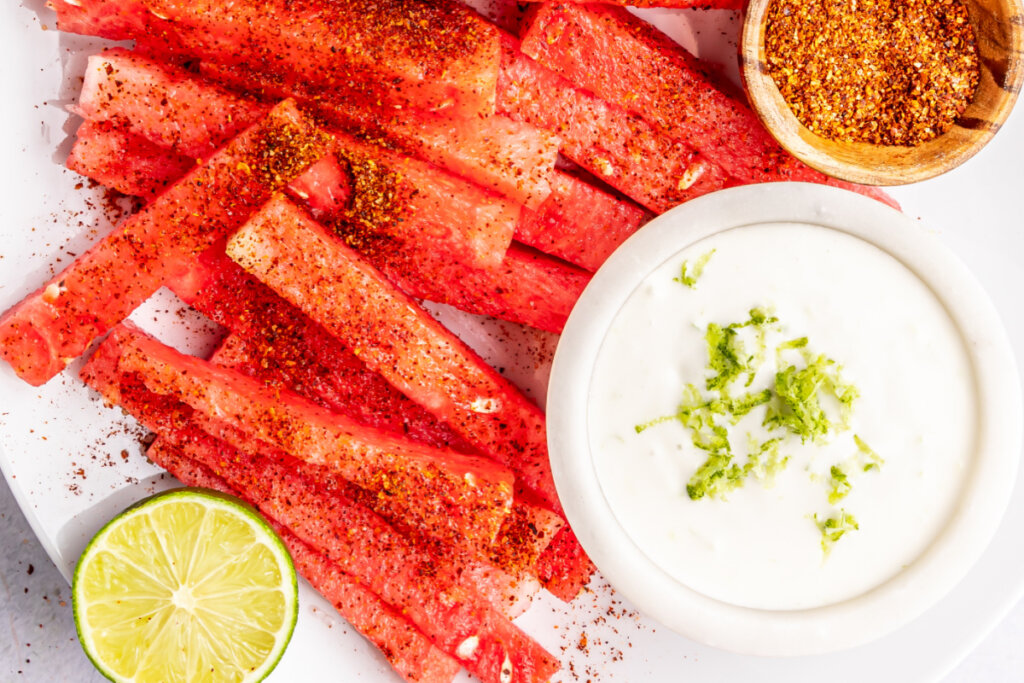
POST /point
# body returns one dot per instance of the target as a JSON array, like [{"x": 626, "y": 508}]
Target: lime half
[{"x": 188, "y": 585}]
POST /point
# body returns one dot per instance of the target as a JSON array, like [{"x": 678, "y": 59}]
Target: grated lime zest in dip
[
  {"x": 764, "y": 460},
  {"x": 799, "y": 392},
  {"x": 874, "y": 461},
  {"x": 795, "y": 403},
  {"x": 835, "y": 527},
  {"x": 691, "y": 272},
  {"x": 839, "y": 483},
  {"x": 728, "y": 356}
]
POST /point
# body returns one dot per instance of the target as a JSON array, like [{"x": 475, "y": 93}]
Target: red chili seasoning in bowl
[{"x": 886, "y": 72}]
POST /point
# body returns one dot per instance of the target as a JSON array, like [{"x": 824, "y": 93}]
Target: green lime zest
[
  {"x": 834, "y": 528},
  {"x": 798, "y": 343},
  {"x": 728, "y": 356},
  {"x": 799, "y": 391},
  {"x": 691, "y": 272},
  {"x": 763, "y": 460},
  {"x": 741, "y": 406},
  {"x": 694, "y": 412},
  {"x": 716, "y": 477},
  {"x": 795, "y": 406},
  {"x": 719, "y": 474},
  {"x": 839, "y": 483},
  {"x": 875, "y": 461}
]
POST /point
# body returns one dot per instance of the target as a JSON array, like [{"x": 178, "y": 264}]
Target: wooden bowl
[{"x": 999, "y": 28}]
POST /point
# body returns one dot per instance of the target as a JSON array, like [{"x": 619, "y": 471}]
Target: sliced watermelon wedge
[
  {"x": 524, "y": 534},
  {"x": 273, "y": 340},
  {"x": 415, "y": 203},
  {"x": 509, "y": 157},
  {"x": 282, "y": 246},
  {"x": 626, "y": 61},
  {"x": 527, "y": 287},
  {"x": 183, "y": 426},
  {"x": 613, "y": 144},
  {"x": 563, "y": 568},
  {"x": 276, "y": 343},
  {"x": 128, "y": 163},
  {"x": 443, "y": 606},
  {"x": 300, "y": 260},
  {"x": 409, "y": 652},
  {"x": 431, "y": 55},
  {"x": 579, "y": 222},
  {"x": 163, "y": 103},
  {"x": 431, "y": 487},
  {"x": 436, "y": 595},
  {"x": 54, "y": 325},
  {"x": 388, "y": 192}
]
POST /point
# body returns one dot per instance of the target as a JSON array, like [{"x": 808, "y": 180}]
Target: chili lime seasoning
[{"x": 886, "y": 72}]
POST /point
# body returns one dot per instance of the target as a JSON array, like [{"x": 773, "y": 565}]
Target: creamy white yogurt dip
[{"x": 760, "y": 546}]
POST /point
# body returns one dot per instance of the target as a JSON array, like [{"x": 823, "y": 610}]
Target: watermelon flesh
[
  {"x": 275, "y": 342},
  {"x": 629, "y": 62},
  {"x": 626, "y": 61},
  {"x": 422, "y": 588},
  {"x": 292, "y": 351},
  {"x": 434, "y": 594},
  {"x": 325, "y": 187},
  {"x": 128, "y": 163},
  {"x": 524, "y": 533},
  {"x": 388, "y": 192},
  {"x": 432, "y": 488},
  {"x": 410, "y": 653},
  {"x": 576, "y": 222},
  {"x": 554, "y": 227},
  {"x": 430, "y": 55},
  {"x": 54, "y": 325},
  {"x": 185, "y": 426},
  {"x": 293, "y": 255},
  {"x": 163, "y": 103},
  {"x": 509, "y": 157},
  {"x": 410, "y": 201},
  {"x": 524, "y": 538},
  {"x": 282, "y": 246},
  {"x": 527, "y": 287},
  {"x": 613, "y": 144},
  {"x": 564, "y": 568}
]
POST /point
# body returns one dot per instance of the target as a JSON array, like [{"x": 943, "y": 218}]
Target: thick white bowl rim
[{"x": 986, "y": 489}]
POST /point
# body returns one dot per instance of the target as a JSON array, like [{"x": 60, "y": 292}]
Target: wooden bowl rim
[{"x": 771, "y": 108}]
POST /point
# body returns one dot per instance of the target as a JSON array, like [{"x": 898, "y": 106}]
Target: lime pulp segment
[{"x": 189, "y": 585}]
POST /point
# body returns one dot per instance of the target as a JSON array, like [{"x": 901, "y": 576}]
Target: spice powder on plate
[{"x": 886, "y": 72}]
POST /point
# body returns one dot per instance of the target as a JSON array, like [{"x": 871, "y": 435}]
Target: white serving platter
[{"x": 72, "y": 463}]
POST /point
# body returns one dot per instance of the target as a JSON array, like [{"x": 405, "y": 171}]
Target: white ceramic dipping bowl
[{"x": 986, "y": 483}]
